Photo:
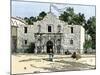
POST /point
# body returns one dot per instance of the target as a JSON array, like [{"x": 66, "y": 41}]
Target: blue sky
[{"x": 27, "y": 9}]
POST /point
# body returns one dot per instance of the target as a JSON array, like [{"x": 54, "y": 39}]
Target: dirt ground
[{"x": 30, "y": 63}]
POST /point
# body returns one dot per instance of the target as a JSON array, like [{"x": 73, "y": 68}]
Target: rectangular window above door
[{"x": 25, "y": 29}]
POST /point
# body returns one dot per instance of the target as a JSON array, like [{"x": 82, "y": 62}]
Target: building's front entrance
[{"x": 49, "y": 46}]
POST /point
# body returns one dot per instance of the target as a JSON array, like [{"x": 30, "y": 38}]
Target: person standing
[{"x": 51, "y": 55}]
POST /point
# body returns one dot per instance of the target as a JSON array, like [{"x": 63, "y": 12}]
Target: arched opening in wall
[{"x": 49, "y": 46}]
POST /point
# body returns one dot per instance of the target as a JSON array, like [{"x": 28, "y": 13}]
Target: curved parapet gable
[{"x": 49, "y": 20}]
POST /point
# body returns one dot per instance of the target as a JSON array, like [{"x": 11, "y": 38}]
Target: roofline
[{"x": 20, "y": 20}]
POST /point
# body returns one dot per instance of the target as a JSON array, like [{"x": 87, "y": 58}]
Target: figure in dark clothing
[{"x": 51, "y": 55}]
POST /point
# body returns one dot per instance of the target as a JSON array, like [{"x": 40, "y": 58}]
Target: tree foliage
[
  {"x": 71, "y": 17},
  {"x": 91, "y": 30},
  {"x": 32, "y": 19},
  {"x": 41, "y": 16},
  {"x": 87, "y": 44},
  {"x": 31, "y": 48},
  {"x": 28, "y": 20}
]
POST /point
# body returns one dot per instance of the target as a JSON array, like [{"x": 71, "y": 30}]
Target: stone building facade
[{"x": 49, "y": 33}]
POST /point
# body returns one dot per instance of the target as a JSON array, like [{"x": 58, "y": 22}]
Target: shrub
[
  {"x": 31, "y": 48},
  {"x": 76, "y": 56},
  {"x": 85, "y": 52},
  {"x": 67, "y": 53}
]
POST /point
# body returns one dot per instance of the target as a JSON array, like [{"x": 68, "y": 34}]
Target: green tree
[
  {"x": 79, "y": 19},
  {"x": 67, "y": 16},
  {"x": 41, "y": 15},
  {"x": 70, "y": 17},
  {"x": 91, "y": 29},
  {"x": 87, "y": 44},
  {"x": 28, "y": 20},
  {"x": 33, "y": 19}
]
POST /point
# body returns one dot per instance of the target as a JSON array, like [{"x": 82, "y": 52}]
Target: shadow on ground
[{"x": 68, "y": 66}]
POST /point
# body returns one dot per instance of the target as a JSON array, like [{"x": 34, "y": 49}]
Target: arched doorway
[{"x": 49, "y": 46}]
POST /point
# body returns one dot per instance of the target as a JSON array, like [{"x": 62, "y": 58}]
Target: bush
[
  {"x": 85, "y": 52},
  {"x": 76, "y": 56},
  {"x": 31, "y": 48},
  {"x": 67, "y": 53}
]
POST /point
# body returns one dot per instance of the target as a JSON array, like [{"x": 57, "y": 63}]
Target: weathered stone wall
[
  {"x": 50, "y": 20},
  {"x": 77, "y": 36},
  {"x": 21, "y": 36}
]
